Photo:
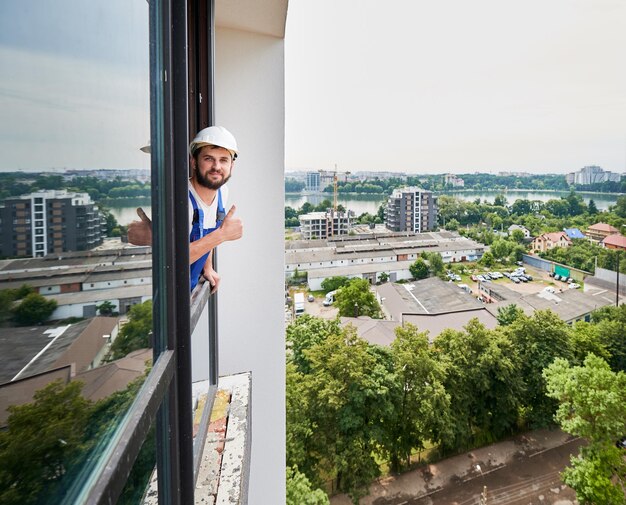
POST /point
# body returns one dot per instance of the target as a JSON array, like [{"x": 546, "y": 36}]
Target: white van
[{"x": 330, "y": 299}]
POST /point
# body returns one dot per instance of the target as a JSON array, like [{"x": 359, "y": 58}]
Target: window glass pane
[{"x": 75, "y": 298}]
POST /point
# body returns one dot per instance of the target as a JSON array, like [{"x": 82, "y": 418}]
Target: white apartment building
[
  {"x": 591, "y": 175},
  {"x": 325, "y": 224}
]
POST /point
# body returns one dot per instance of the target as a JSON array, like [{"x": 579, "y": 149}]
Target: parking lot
[{"x": 541, "y": 280}]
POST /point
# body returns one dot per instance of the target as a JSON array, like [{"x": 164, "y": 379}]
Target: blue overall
[{"x": 197, "y": 232}]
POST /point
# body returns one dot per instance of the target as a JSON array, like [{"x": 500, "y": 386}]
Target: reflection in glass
[{"x": 75, "y": 299}]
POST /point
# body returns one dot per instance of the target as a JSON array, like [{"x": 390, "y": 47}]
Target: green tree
[
  {"x": 435, "y": 263},
  {"x": 333, "y": 283},
  {"x": 620, "y": 207},
  {"x": 357, "y": 299},
  {"x": 539, "y": 339},
  {"x": 420, "y": 403},
  {"x": 42, "y": 441},
  {"x": 500, "y": 248},
  {"x": 517, "y": 235},
  {"x": 346, "y": 392},
  {"x": 419, "y": 269},
  {"x": 106, "y": 308},
  {"x": 592, "y": 208},
  {"x": 383, "y": 277},
  {"x": 592, "y": 404},
  {"x": 508, "y": 314},
  {"x": 304, "y": 333},
  {"x": 483, "y": 378},
  {"x": 488, "y": 259},
  {"x": 135, "y": 334},
  {"x": 300, "y": 491},
  {"x": 34, "y": 309},
  {"x": 452, "y": 225},
  {"x": 611, "y": 329}
]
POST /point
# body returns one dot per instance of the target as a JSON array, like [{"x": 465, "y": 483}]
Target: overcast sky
[
  {"x": 74, "y": 84},
  {"x": 456, "y": 86}
]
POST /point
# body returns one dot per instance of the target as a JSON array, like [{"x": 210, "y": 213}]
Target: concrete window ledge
[{"x": 225, "y": 463}]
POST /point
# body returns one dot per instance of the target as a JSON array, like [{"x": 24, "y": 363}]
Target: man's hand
[
  {"x": 140, "y": 232},
  {"x": 232, "y": 227},
  {"x": 212, "y": 277}
]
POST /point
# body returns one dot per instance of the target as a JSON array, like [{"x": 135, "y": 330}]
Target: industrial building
[
  {"x": 367, "y": 256},
  {"x": 50, "y": 221},
  {"x": 411, "y": 209}
]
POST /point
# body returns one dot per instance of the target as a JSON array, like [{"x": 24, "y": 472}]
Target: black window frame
[{"x": 181, "y": 100}]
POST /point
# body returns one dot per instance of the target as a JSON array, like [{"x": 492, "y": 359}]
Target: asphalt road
[{"x": 527, "y": 480}]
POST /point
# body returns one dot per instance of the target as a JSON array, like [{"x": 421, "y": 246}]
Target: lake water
[
  {"x": 125, "y": 215},
  {"x": 370, "y": 203}
]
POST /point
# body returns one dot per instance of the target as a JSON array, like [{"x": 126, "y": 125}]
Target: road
[{"x": 525, "y": 481}]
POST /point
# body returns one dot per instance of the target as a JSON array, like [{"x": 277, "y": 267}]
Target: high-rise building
[
  {"x": 312, "y": 181},
  {"x": 50, "y": 221},
  {"x": 591, "y": 175},
  {"x": 411, "y": 209}
]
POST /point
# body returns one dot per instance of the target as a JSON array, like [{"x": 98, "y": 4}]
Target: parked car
[
  {"x": 480, "y": 278},
  {"x": 557, "y": 277},
  {"x": 573, "y": 285},
  {"x": 474, "y": 278},
  {"x": 515, "y": 280},
  {"x": 311, "y": 298},
  {"x": 507, "y": 275},
  {"x": 529, "y": 277}
]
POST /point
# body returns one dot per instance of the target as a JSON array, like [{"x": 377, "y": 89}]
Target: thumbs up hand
[
  {"x": 232, "y": 227},
  {"x": 140, "y": 232}
]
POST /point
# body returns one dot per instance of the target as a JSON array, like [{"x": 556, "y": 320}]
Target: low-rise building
[
  {"x": 569, "y": 304},
  {"x": 599, "y": 231},
  {"x": 547, "y": 241},
  {"x": 367, "y": 256},
  {"x": 523, "y": 229},
  {"x": 615, "y": 242},
  {"x": 574, "y": 233}
]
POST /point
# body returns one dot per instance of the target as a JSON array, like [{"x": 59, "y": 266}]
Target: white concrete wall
[{"x": 250, "y": 102}]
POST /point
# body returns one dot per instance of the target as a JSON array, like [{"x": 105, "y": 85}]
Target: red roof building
[
  {"x": 616, "y": 241},
  {"x": 548, "y": 241},
  {"x": 600, "y": 231}
]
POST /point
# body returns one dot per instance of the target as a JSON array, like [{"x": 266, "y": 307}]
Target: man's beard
[{"x": 208, "y": 183}]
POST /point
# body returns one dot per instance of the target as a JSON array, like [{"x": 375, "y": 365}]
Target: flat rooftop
[{"x": 426, "y": 296}]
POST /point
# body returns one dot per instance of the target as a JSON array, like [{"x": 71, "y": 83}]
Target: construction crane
[{"x": 335, "y": 187}]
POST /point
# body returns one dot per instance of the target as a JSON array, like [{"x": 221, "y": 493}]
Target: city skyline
[{"x": 487, "y": 86}]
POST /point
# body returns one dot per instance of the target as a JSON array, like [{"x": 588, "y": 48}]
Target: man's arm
[
  {"x": 211, "y": 275},
  {"x": 231, "y": 229}
]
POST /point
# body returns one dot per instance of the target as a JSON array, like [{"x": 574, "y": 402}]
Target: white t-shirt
[{"x": 209, "y": 211}]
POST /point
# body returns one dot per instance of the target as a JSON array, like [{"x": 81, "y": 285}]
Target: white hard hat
[{"x": 214, "y": 136}]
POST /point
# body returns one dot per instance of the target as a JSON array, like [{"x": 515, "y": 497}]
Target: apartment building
[
  {"x": 411, "y": 209},
  {"x": 50, "y": 221},
  {"x": 453, "y": 180},
  {"x": 591, "y": 175},
  {"x": 312, "y": 181},
  {"x": 325, "y": 224}
]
